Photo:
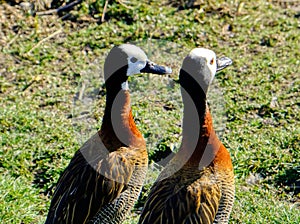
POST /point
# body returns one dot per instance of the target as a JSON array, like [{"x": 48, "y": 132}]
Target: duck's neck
[
  {"x": 198, "y": 137},
  {"x": 118, "y": 124},
  {"x": 194, "y": 118}
]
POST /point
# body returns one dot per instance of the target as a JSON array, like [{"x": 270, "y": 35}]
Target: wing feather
[
  {"x": 174, "y": 202},
  {"x": 93, "y": 178}
]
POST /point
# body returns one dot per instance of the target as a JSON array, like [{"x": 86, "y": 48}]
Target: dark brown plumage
[
  {"x": 197, "y": 185},
  {"x": 104, "y": 178}
]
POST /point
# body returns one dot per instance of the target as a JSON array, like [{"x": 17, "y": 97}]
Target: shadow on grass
[
  {"x": 44, "y": 176},
  {"x": 289, "y": 180}
]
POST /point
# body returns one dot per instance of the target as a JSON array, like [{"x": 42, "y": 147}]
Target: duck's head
[
  {"x": 201, "y": 65},
  {"x": 127, "y": 60}
]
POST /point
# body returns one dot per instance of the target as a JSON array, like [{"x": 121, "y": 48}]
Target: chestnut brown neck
[
  {"x": 118, "y": 126},
  {"x": 199, "y": 141}
]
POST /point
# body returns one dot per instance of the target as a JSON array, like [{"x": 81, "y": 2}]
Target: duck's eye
[
  {"x": 133, "y": 59},
  {"x": 212, "y": 61}
]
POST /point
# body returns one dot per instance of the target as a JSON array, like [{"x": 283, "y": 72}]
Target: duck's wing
[
  {"x": 93, "y": 178},
  {"x": 196, "y": 202}
]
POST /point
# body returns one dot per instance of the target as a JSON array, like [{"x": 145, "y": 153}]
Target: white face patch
[
  {"x": 211, "y": 61},
  {"x": 125, "y": 86},
  {"x": 135, "y": 66}
]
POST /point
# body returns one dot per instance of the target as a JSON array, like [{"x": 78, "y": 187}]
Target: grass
[{"x": 44, "y": 120}]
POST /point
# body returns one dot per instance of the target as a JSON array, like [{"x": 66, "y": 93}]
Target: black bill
[
  {"x": 156, "y": 69},
  {"x": 223, "y": 62}
]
